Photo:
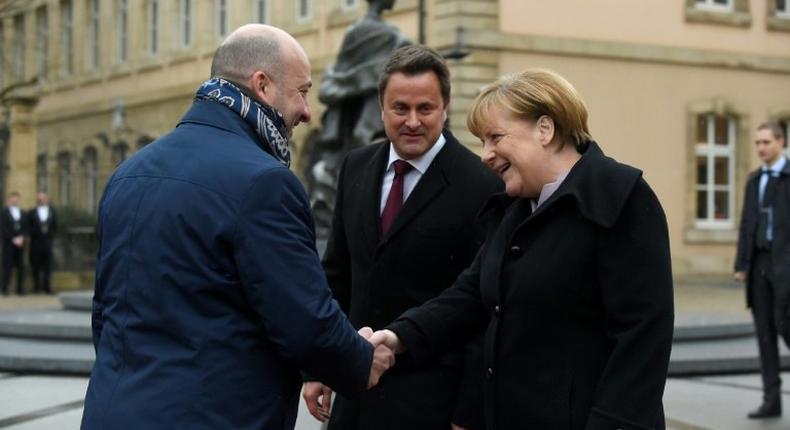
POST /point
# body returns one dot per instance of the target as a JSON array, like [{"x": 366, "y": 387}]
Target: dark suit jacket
[
  {"x": 576, "y": 301},
  {"x": 780, "y": 252},
  {"x": 9, "y": 228},
  {"x": 376, "y": 278},
  {"x": 42, "y": 234}
]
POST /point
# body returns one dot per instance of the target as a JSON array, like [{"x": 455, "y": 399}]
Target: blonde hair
[{"x": 529, "y": 95}]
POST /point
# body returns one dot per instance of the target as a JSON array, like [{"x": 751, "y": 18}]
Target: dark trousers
[
  {"x": 41, "y": 267},
  {"x": 12, "y": 259},
  {"x": 416, "y": 399},
  {"x": 769, "y": 322}
]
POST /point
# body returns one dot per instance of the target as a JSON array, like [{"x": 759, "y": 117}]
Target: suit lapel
[
  {"x": 369, "y": 187},
  {"x": 429, "y": 186}
]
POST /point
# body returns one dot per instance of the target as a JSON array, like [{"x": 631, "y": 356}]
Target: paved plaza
[{"x": 30, "y": 401}]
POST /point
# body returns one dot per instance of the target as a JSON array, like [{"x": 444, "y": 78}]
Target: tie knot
[{"x": 401, "y": 167}]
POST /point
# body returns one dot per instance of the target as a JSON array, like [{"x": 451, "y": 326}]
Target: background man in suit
[
  {"x": 43, "y": 224},
  {"x": 14, "y": 228},
  {"x": 763, "y": 258},
  {"x": 383, "y": 259}
]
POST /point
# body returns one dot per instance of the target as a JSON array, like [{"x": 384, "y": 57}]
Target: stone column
[{"x": 21, "y": 149}]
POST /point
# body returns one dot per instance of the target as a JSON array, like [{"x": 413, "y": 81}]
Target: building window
[
  {"x": 42, "y": 174},
  {"x": 718, "y": 5},
  {"x": 42, "y": 43},
  {"x": 783, "y": 8},
  {"x": 304, "y": 10},
  {"x": 90, "y": 164},
  {"x": 93, "y": 34},
  {"x": 722, "y": 12},
  {"x": 123, "y": 31},
  {"x": 185, "y": 22},
  {"x": 67, "y": 36},
  {"x": 349, "y": 4},
  {"x": 64, "y": 172},
  {"x": 153, "y": 27},
  {"x": 221, "y": 13},
  {"x": 119, "y": 152},
  {"x": 715, "y": 171},
  {"x": 260, "y": 11},
  {"x": 19, "y": 47},
  {"x": 3, "y": 52}
]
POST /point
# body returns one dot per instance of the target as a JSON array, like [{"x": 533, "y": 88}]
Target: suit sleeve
[
  {"x": 97, "y": 310},
  {"x": 337, "y": 260},
  {"x": 635, "y": 278},
  {"x": 448, "y": 320},
  {"x": 283, "y": 280},
  {"x": 744, "y": 242}
]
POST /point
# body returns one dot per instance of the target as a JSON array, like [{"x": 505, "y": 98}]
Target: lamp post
[{"x": 421, "y": 22}]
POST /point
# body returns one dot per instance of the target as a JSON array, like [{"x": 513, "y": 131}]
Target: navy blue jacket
[{"x": 210, "y": 297}]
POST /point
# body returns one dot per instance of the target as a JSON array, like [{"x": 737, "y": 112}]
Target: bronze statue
[{"x": 349, "y": 89}]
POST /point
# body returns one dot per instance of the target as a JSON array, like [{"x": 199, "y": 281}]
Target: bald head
[{"x": 254, "y": 47}]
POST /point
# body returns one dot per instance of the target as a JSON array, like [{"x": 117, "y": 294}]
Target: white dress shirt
[
  {"x": 43, "y": 213},
  {"x": 420, "y": 166},
  {"x": 16, "y": 214}
]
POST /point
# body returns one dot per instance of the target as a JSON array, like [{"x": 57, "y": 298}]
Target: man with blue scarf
[{"x": 210, "y": 298}]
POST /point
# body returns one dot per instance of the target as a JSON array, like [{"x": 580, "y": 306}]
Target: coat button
[{"x": 515, "y": 250}]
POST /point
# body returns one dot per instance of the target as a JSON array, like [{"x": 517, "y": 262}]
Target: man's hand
[
  {"x": 455, "y": 427},
  {"x": 18, "y": 241},
  {"x": 387, "y": 338},
  {"x": 383, "y": 357},
  {"x": 318, "y": 398},
  {"x": 740, "y": 276}
]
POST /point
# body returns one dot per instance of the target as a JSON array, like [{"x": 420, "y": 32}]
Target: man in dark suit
[
  {"x": 13, "y": 225},
  {"x": 43, "y": 224},
  {"x": 403, "y": 230},
  {"x": 763, "y": 258}
]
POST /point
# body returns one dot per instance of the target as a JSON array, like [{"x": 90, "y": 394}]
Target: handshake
[{"x": 318, "y": 397}]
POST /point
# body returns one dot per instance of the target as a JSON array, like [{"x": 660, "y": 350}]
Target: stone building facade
[{"x": 675, "y": 87}]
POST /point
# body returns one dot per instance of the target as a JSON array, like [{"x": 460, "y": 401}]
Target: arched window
[
  {"x": 64, "y": 176},
  {"x": 42, "y": 176},
  {"x": 91, "y": 177},
  {"x": 119, "y": 152}
]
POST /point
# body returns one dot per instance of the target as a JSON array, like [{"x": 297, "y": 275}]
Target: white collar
[
  {"x": 423, "y": 162},
  {"x": 777, "y": 166}
]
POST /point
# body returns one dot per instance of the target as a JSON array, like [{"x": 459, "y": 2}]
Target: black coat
[
  {"x": 780, "y": 246},
  {"x": 42, "y": 233},
  {"x": 10, "y": 228},
  {"x": 576, "y": 303},
  {"x": 375, "y": 279}
]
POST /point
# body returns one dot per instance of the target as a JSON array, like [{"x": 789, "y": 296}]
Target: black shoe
[{"x": 767, "y": 410}]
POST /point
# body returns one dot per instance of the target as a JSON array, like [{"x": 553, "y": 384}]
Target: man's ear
[
  {"x": 545, "y": 128},
  {"x": 261, "y": 86}
]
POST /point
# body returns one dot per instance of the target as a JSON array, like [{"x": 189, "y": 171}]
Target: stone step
[
  {"x": 77, "y": 300},
  {"x": 694, "y": 333},
  {"x": 46, "y": 356},
  {"x": 53, "y": 324},
  {"x": 719, "y": 356}
]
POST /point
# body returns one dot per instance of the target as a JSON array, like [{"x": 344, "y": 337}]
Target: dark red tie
[{"x": 395, "y": 198}]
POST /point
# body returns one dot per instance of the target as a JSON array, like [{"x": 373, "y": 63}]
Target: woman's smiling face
[{"x": 514, "y": 149}]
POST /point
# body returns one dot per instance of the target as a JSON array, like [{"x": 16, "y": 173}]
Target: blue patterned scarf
[{"x": 267, "y": 122}]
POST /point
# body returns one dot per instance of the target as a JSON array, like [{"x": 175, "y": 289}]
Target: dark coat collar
[
  {"x": 599, "y": 185},
  {"x": 213, "y": 114}
]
